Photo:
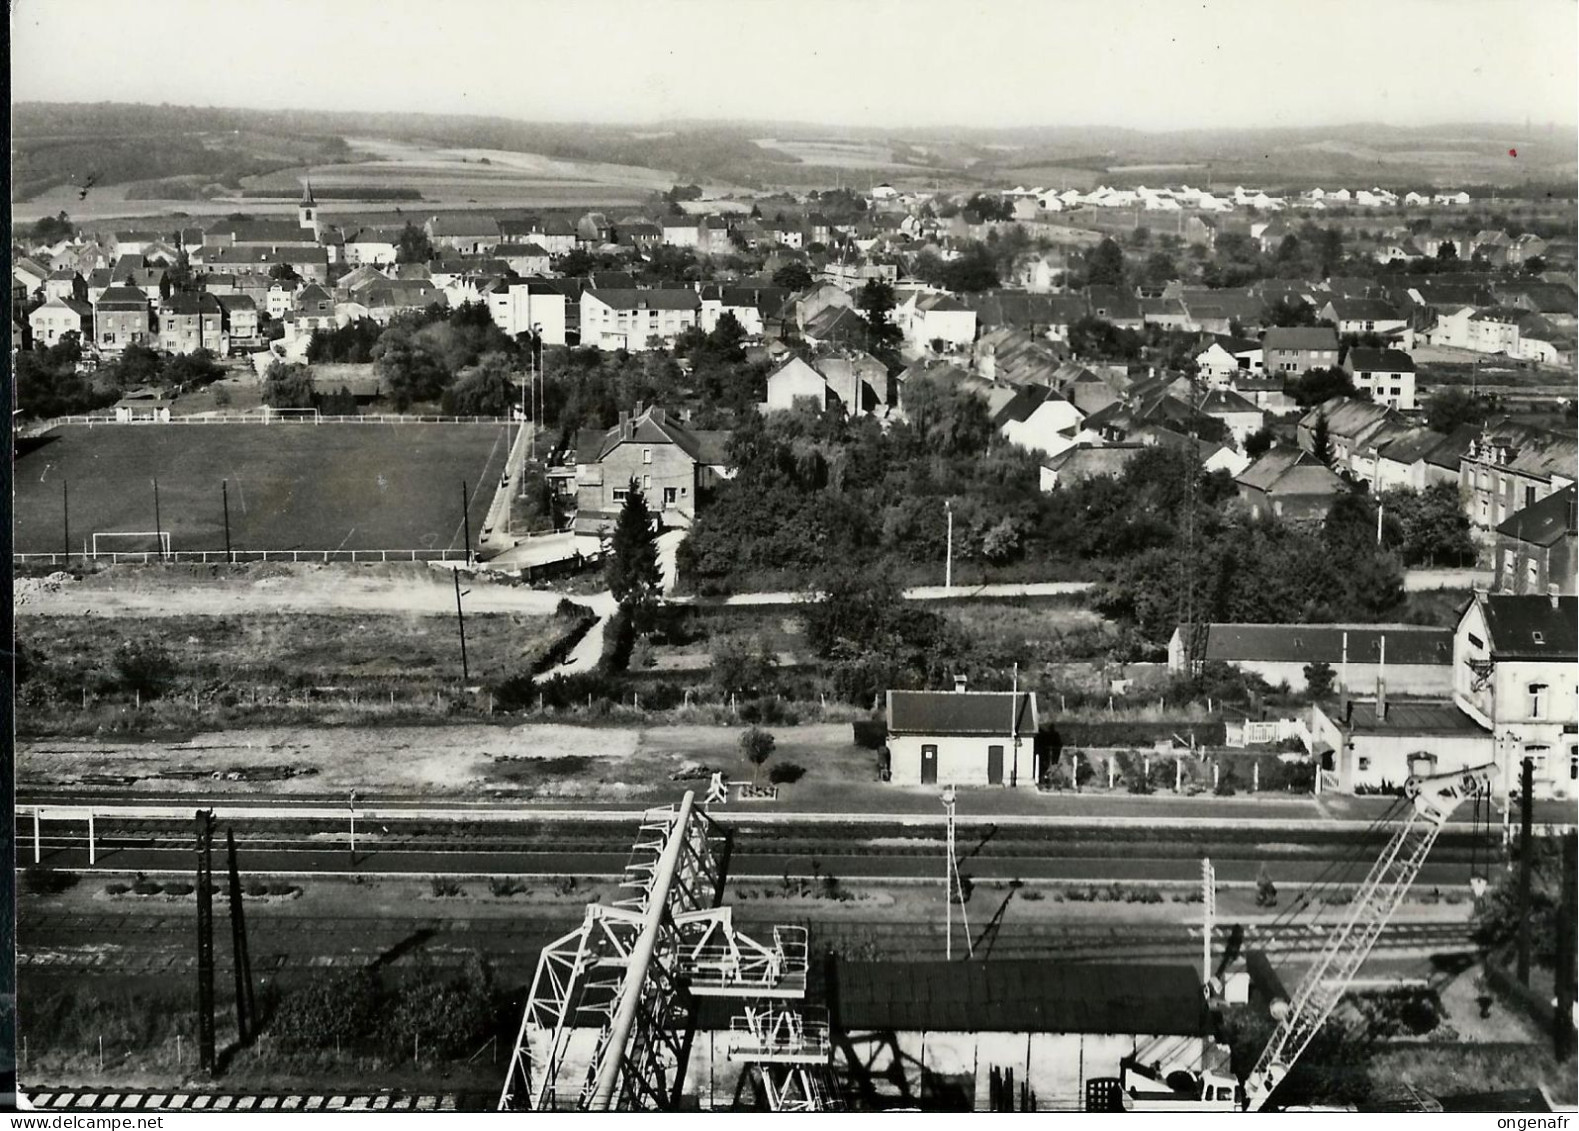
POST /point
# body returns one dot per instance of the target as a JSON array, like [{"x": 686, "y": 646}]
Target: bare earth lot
[{"x": 292, "y": 487}]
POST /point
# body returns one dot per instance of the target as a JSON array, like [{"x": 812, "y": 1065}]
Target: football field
[{"x": 293, "y": 486}]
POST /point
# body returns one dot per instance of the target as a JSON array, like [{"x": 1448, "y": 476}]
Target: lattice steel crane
[{"x": 1434, "y": 800}]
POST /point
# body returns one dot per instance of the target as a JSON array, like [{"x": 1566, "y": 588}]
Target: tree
[
  {"x": 486, "y": 389},
  {"x": 975, "y": 270},
  {"x": 1451, "y": 408},
  {"x": 741, "y": 666},
  {"x": 1105, "y": 265},
  {"x": 1160, "y": 269},
  {"x": 284, "y": 272},
  {"x": 1321, "y": 440},
  {"x": 287, "y": 385},
  {"x": 1318, "y": 679},
  {"x": 757, "y": 745},
  {"x": 1288, "y": 311},
  {"x": 1258, "y": 443},
  {"x": 633, "y": 572},
  {"x": 413, "y": 246},
  {"x": 876, "y": 303},
  {"x": 1498, "y": 916},
  {"x": 1428, "y": 527},
  {"x": 410, "y": 373},
  {"x": 53, "y": 229},
  {"x": 1318, "y": 386},
  {"x": 793, "y": 276}
]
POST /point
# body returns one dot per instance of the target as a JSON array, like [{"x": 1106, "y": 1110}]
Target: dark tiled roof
[
  {"x": 1544, "y": 523},
  {"x": 1434, "y": 717},
  {"x": 1531, "y": 626},
  {"x": 1301, "y": 338},
  {"x": 1353, "y": 309},
  {"x": 1361, "y": 359},
  {"x": 122, "y": 298},
  {"x": 955, "y": 712},
  {"x": 1019, "y": 996},
  {"x": 668, "y": 299},
  {"x": 1309, "y": 643}
]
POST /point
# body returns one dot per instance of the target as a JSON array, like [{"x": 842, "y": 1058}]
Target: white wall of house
[
  {"x": 793, "y": 381},
  {"x": 1393, "y": 389},
  {"x": 956, "y": 327},
  {"x": 1042, "y": 431},
  {"x": 961, "y": 759}
]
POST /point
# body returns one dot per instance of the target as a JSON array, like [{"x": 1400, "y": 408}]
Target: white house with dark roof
[
  {"x": 632, "y": 319},
  {"x": 1386, "y": 376},
  {"x": 1515, "y": 673},
  {"x": 942, "y": 318},
  {"x": 962, "y": 737},
  {"x": 58, "y": 317},
  {"x": 1411, "y": 659}
]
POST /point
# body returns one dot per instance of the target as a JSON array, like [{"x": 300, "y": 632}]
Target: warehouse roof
[{"x": 1309, "y": 643}]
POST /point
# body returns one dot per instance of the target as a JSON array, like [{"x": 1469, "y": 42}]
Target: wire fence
[{"x": 205, "y": 556}]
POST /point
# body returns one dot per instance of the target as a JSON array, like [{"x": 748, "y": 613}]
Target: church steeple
[{"x": 307, "y": 210}]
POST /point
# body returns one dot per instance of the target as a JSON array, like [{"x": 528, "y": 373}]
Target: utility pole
[
  {"x": 1526, "y": 852},
  {"x": 246, "y": 1007},
  {"x": 1209, "y": 918},
  {"x": 948, "y": 561},
  {"x": 953, "y": 885},
  {"x": 224, "y": 498},
  {"x": 65, "y": 522},
  {"x": 1014, "y": 728},
  {"x": 207, "y": 1060},
  {"x": 460, "y": 618}
]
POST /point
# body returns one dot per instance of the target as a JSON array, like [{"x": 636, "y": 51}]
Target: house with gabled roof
[
  {"x": 1355, "y": 428},
  {"x": 1516, "y": 665},
  {"x": 963, "y": 737},
  {"x": 795, "y": 383},
  {"x": 1536, "y": 547},
  {"x": 122, "y": 317},
  {"x": 671, "y": 464},
  {"x": 1288, "y": 484},
  {"x": 632, "y": 319},
  {"x": 1364, "y": 316},
  {"x": 942, "y": 318},
  {"x": 1039, "y": 420},
  {"x": 1294, "y": 349},
  {"x": 1511, "y": 466},
  {"x": 1239, "y": 416},
  {"x": 1412, "y": 659},
  {"x": 1387, "y": 376},
  {"x": 59, "y": 317},
  {"x": 463, "y": 233}
]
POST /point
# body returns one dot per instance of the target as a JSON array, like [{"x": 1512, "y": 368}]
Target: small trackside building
[{"x": 962, "y": 737}]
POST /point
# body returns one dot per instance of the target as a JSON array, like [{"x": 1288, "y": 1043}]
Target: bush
[
  {"x": 870, "y": 734},
  {"x": 504, "y": 887},
  {"x": 146, "y": 887},
  {"x": 643, "y": 655},
  {"x": 179, "y": 887},
  {"x": 331, "y": 1010},
  {"x": 786, "y": 773},
  {"x": 662, "y": 696},
  {"x": 144, "y": 667},
  {"x": 117, "y": 889},
  {"x": 40, "y": 879},
  {"x": 256, "y": 888},
  {"x": 445, "y": 888},
  {"x": 280, "y": 887}
]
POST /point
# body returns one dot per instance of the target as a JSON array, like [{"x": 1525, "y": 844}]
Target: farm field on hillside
[{"x": 292, "y": 487}]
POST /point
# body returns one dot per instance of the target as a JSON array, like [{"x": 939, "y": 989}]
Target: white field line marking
[{"x": 346, "y": 539}]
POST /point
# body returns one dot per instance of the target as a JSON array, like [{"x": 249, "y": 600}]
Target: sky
[{"x": 1144, "y": 64}]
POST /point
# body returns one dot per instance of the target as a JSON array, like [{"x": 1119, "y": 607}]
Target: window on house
[
  {"x": 1529, "y": 496},
  {"x": 1532, "y": 576},
  {"x": 1363, "y": 764},
  {"x": 1485, "y": 510},
  {"x": 646, "y": 455},
  {"x": 646, "y": 482},
  {"x": 620, "y": 494},
  {"x": 1537, "y": 698},
  {"x": 1537, "y": 756},
  {"x": 1573, "y": 763}
]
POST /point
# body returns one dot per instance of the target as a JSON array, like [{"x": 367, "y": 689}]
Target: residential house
[
  {"x": 1265, "y": 391},
  {"x": 281, "y": 297},
  {"x": 98, "y": 281},
  {"x": 1225, "y": 358},
  {"x": 682, "y": 231},
  {"x": 557, "y": 237},
  {"x": 1225, "y": 311},
  {"x": 517, "y": 306},
  {"x": 468, "y": 235},
  {"x": 593, "y": 230},
  {"x": 838, "y": 327},
  {"x": 1039, "y": 420},
  {"x": 1017, "y": 358},
  {"x": 383, "y": 301},
  {"x": 857, "y": 382},
  {"x": 524, "y": 258},
  {"x": 241, "y": 324},
  {"x": 1510, "y": 467},
  {"x": 1117, "y": 305},
  {"x": 1387, "y": 376},
  {"x": 66, "y": 283},
  {"x": 1401, "y": 461},
  {"x": 814, "y": 300},
  {"x": 1355, "y": 430},
  {"x": 122, "y": 317},
  {"x": 1289, "y": 484},
  {"x": 1087, "y": 460},
  {"x": 633, "y": 319},
  {"x": 962, "y": 737},
  {"x": 1040, "y": 316},
  {"x": 942, "y": 319},
  {"x": 640, "y": 233},
  {"x": 312, "y": 311},
  {"x": 190, "y": 322},
  {"x": 1242, "y": 418},
  {"x": 372, "y": 247},
  {"x": 1535, "y": 551},
  {"x": 269, "y": 235},
  {"x": 1365, "y": 316},
  {"x": 1516, "y": 661},
  {"x": 1294, "y": 349},
  {"x": 795, "y": 382},
  {"x": 59, "y": 317},
  {"x": 672, "y": 464},
  {"x": 1411, "y": 659}
]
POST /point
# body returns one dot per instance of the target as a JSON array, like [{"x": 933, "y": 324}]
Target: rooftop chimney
[
  {"x": 1381, "y": 700},
  {"x": 959, "y": 684}
]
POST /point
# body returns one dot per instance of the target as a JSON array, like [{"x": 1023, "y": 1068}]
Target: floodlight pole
[{"x": 948, "y": 560}]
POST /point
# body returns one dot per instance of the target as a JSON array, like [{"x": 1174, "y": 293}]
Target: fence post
[{"x": 1255, "y": 777}]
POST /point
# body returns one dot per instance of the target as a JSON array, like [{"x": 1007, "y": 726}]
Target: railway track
[{"x": 78, "y": 1099}]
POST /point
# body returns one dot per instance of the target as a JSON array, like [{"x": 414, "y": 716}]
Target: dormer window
[{"x": 1538, "y": 637}]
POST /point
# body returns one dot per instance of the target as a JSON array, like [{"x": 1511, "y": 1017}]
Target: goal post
[
  {"x": 131, "y": 542},
  {"x": 311, "y": 415}
]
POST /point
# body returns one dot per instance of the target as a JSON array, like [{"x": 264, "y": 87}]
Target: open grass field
[{"x": 292, "y": 486}]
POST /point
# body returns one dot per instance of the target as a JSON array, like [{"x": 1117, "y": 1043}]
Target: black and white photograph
[{"x": 755, "y": 556}]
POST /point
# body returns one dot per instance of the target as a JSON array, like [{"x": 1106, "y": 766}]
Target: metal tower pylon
[{"x": 632, "y": 969}]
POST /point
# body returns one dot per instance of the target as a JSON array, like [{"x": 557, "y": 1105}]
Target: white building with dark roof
[{"x": 962, "y": 737}]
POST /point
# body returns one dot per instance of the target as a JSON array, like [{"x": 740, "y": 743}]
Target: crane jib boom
[{"x": 1346, "y": 949}]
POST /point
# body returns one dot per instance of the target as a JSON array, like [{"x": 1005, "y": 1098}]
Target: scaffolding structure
[{"x": 633, "y": 971}]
